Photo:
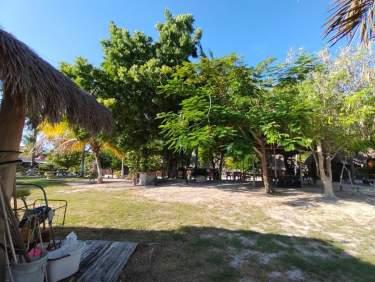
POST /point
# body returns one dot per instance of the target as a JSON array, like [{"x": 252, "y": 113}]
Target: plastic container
[
  {"x": 146, "y": 179},
  {"x": 61, "y": 266},
  {"x": 34, "y": 271}
]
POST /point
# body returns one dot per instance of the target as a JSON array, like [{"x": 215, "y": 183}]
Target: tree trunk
[
  {"x": 316, "y": 165},
  {"x": 96, "y": 151},
  {"x": 353, "y": 171},
  {"x": 221, "y": 164},
  {"x": 196, "y": 158},
  {"x": 254, "y": 182},
  {"x": 325, "y": 172},
  {"x": 211, "y": 172},
  {"x": 12, "y": 119},
  {"x": 260, "y": 149},
  {"x": 264, "y": 162},
  {"x": 122, "y": 168},
  {"x": 171, "y": 164},
  {"x": 33, "y": 151}
]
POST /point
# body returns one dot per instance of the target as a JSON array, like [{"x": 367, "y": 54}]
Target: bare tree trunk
[
  {"x": 96, "y": 150},
  {"x": 262, "y": 152},
  {"x": 99, "y": 179},
  {"x": 325, "y": 172},
  {"x": 264, "y": 163},
  {"x": 122, "y": 168},
  {"x": 12, "y": 119},
  {"x": 33, "y": 150}
]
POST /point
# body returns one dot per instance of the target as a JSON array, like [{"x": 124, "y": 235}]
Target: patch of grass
[
  {"x": 215, "y": 259},
  {"x": 235, "y": 243},
  {"x": 351, "y": 268},
  {"x": 44, "y": 182},
  {"x": 290, "y": 259},
  {"x": 265, "y": 244},
  {"x": 206, "y": 243},
  {"x": 226, "y": 274},
  {"x": 178, "y": 235}
]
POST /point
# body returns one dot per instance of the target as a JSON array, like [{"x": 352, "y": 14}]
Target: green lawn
[{"x": 219, "y": 235}]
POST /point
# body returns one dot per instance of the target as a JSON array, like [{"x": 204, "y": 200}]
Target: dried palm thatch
[
  {"x": 46, "y": 93},
  {"x": 350, "y": 16}
]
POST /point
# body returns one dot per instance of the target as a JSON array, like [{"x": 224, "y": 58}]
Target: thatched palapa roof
[{"x": 45, "y": 92}]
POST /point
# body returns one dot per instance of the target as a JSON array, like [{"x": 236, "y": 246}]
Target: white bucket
[
  {"x": 61, "y": 267},
  {"x": 34, "y": 271}
]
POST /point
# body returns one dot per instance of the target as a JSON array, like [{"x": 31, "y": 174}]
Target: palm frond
[
  {"x": 114, "y": 150},
  {"x": 72, "y": 145},
  {"x": 58, "y": 130},
  {"x": 348, "y": 17}
]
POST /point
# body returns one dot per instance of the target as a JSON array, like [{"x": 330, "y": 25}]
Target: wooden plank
[
  {"x": 104, "y": 260},
  {"x": 90, "y": 254}
]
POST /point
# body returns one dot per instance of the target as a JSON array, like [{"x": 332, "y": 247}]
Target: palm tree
[
  {"x": 31, "y": 146},
  {"x": 348, "y": 17},
  {"x": 68, "y": 139}
]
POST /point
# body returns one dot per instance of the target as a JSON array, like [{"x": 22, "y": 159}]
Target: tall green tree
[
  {"x": 274, "y": 113},
  {"x": 341, "y": 102},
  {"x": 135, "y": 66},
  {"x": 178, "y": 39},
  {"x": 229, "y": 106},
  {"x": 205, "y": 120}
]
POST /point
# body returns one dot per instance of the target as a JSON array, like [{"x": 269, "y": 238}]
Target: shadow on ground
[{"x": 214, "y": 254}]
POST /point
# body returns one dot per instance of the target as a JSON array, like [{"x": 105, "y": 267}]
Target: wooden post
[{"x": 12, "y": 119}]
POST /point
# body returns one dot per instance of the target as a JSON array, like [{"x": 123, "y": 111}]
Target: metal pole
[{"x": 15, "y": 199}]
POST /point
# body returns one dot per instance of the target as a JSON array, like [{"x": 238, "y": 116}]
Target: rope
[{"x": 10, "y": 162}]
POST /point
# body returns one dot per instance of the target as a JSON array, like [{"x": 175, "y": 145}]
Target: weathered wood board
[{"x": 103, "y": 260}]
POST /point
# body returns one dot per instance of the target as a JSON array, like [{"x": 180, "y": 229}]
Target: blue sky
[{"x": 255, "y": 29}]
